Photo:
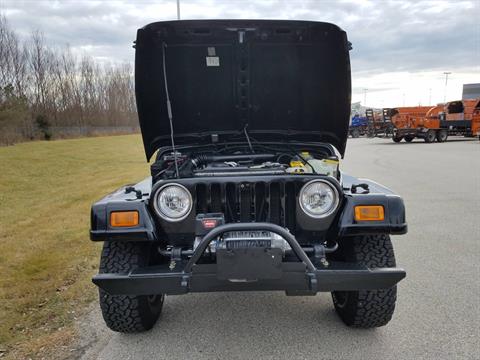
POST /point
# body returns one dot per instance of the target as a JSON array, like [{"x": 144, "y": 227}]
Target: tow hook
[
  {"x": 175, "y": 255},
  {"x": 319, "y": 254}
]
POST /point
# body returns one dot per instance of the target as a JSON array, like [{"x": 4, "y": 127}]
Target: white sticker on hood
[{"x": 213, "y": 61}]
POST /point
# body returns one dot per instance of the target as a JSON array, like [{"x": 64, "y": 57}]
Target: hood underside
[{"x": 279, "y": 80}]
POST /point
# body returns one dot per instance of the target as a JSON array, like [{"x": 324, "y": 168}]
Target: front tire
[
  {"x": 367, "y": 308},
  {"x": 128, "y": 313},
  {"x": 397, "y": 139}
]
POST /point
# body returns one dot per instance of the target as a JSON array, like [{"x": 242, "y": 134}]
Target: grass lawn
[{"x": 46, "y": 257}]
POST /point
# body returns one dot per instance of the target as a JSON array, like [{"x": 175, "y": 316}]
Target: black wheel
[
  {"x": 409, "y": 138},
  {"x": 442, "y": 136},
  {"x": 126, "y": 313},
  {"x": 430, "y": 136},
  {"x": 355, "y": 133},
  {"x": 397, "y": 139},
  {"x": 366, "y": 308}
]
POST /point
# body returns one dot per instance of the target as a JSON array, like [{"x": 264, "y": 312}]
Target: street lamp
[
  {"x": 178, "y": 9},
  {"x": 446, "y": 73},
  {"x": 365, "y": 97}
]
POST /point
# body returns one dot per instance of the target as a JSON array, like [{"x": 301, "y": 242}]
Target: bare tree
[
  {"x": 38, "y": 68},
  {"x": 52, "y": 90}
]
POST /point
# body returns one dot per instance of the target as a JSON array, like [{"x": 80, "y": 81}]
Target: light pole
[
  {"x": 365, "y": 97},
  {"x": 178, "y": 9},
  {"x": 446, "y": 73}
]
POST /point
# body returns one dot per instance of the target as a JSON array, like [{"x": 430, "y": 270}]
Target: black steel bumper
[{"x": 305, "y": 277}]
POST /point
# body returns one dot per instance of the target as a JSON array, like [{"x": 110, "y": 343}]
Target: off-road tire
[
  {"x": 355, "y": 133},
  {"x": 127, "y": 313},
  {"x": 367, "y": 308},
  {"x": 409, "y": 138},
  {"x": 430, "y": 136},
  {"x": 397, "y": 139}
]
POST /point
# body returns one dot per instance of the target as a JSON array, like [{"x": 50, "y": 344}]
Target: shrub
[{"x": 44, "y": 126}]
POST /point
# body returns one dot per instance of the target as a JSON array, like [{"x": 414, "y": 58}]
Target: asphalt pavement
[{"x": 438, "y": 306}]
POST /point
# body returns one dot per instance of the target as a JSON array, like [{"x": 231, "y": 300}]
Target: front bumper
[{"x": 304, "y": 277}]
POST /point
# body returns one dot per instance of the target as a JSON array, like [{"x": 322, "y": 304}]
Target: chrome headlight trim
[
  {"x": 333, "y": 207},
  {"x": 158, "y": 210}
]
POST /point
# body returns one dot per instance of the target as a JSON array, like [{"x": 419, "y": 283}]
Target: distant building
[{"x": 471, "y": 91}]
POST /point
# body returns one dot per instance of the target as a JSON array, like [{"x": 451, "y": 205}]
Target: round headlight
[
  {"x": 318, "y": 198},
  {"x": 173, "y": 202}
]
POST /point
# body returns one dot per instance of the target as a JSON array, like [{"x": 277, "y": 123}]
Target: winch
[
  {"x": 247, "y": 239},
  {"x": 252, "y": 239}
]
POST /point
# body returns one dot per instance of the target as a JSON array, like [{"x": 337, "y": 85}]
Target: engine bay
[{"x": 244, "y": 161}]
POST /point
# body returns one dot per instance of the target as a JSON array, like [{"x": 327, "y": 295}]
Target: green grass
[{"x": 46, "y": 257}]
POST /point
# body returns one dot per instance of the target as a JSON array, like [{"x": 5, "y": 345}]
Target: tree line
[{"x": 48, "y": 91}]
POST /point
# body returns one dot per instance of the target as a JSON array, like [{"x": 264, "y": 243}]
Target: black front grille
[{"x": 273, "y": 201}]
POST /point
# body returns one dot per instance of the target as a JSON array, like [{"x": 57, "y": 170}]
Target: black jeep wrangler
[{"x": 249, "y": 119}]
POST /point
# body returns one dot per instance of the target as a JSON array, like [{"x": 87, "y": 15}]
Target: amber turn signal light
[
  {"x": 124, "y": 218},
  {"x": 369, "y": 213}
]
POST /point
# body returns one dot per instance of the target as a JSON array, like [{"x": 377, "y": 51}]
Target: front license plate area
[{"x": 249, "y": 264}]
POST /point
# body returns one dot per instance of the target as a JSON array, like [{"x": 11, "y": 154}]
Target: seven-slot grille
[{"x": 250, "y": 201}]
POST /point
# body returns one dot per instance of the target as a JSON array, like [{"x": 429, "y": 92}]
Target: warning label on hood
[{"x": 213, "y": 61}]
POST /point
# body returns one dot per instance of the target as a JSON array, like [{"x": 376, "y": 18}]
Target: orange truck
[
  {"x": 461, "y": 117},
  {"x": 472, "y": 111}
]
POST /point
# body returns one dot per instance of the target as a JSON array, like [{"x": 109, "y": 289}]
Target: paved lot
[{"x": 438, "y": 309}]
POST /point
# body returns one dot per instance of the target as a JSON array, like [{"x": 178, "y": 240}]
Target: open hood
[{"x": 283, "y": 80}]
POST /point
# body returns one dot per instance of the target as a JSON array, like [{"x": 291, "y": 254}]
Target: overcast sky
[{"x": 400, "y": 48}]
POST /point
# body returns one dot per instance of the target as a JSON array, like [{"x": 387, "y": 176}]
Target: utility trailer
[
  {"x": 379, "y": 123},
  {"x": 417, "y": 122},
  {"x": 461, "y": 117},
  {"x": 372, "y": 124}
]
